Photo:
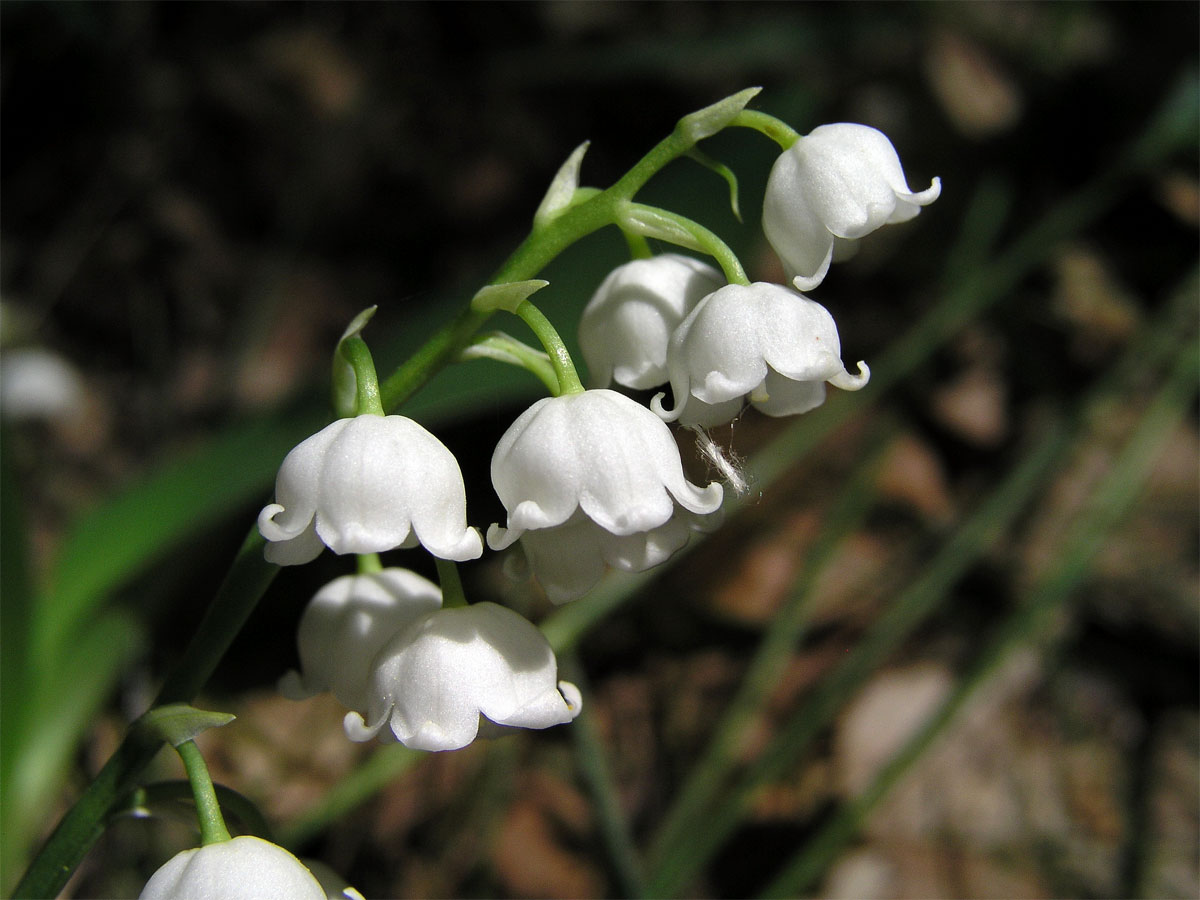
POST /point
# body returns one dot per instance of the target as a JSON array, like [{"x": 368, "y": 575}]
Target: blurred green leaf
[
  {"x": 16, "y": 614},
  {"x": 118, "y": 539},
  {"x": 63, "y": 703}
]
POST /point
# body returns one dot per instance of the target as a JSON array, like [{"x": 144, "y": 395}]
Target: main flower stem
[
  {"x": 534, "y": 254},
  {"x": 208, "y": 810}
]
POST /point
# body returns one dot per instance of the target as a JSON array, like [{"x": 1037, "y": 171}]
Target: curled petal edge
[
  {"x": 272, "y": 530},
  {"x": 848, "y": 382},
  {"x": 667, "y": 415}
]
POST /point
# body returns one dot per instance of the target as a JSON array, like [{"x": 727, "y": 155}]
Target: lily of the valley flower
[
  {"x": 244, "y": 868},
  {"x": 431, "y": 683},
  {"x": 365, "y": 485},
  {"x": 761, "y": 342},
  {"x": 627, "y": 324},
  {"x": 347, "y": 623},
  {"x": 836, "y": 184},
  {"x": 593, "y": 478}
]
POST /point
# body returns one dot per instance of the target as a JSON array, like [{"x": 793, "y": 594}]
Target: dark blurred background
[{"x": 197, "y": 197}]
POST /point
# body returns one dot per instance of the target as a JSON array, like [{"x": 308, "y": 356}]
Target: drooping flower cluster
[
  {"x": 590, "y": 479},
  {"x": 760, "y": 344}
]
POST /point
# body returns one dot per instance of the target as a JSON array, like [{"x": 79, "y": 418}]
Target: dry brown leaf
[
  {"x": 974, "y": 406},
  {"x": 977, "y": 94},
  {"x": 531, "y": 856},
  {"x": 913, "y": 474}
]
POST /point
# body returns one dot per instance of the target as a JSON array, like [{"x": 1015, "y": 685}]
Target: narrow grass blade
[
  {"x": 1110, "y": 501},
  {"x": 614, "y": 826},
  {"x": 381, "y": 768},
  {"x": 688, "y": 855},
  {"x": 710, "y": 773}
]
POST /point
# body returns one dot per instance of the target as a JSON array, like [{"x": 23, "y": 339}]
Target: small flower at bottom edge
[
  {"x": 347, "y": 623},
  {"x": 244, "y": 868}
]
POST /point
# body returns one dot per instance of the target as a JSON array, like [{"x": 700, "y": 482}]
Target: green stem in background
[
  {"x": 369, "y": 564},
  {"x": 560, "y": 358},
  {"x": 594, "y": 770},
  {"x": 453, "y": 596},
  {"x": 208, "y": 810}
]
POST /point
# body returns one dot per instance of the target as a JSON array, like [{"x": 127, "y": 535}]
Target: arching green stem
[
  {"x": 564, "y": 367},
  {"x": 665, "y": 225},
  {"x": 367, "y": 399},
  {"x": 779, "y": 131},
  {"x": 208, "y": 810},
  {"x": 548, "y": 240},
  {"x": 507, "y": 349}
]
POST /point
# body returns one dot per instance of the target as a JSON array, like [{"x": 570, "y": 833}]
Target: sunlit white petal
[
  {"x": 432, "y": 681},
  {"x": 838, "y": 183}
]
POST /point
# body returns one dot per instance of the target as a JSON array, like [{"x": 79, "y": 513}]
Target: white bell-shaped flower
[
  {"x": 836, "y": 184},
  {"x": 431, "y": 683},
  {"x": 761, "y": 342},
  {"x": 627, "y": 324},
  {"x": 365, "y": 485},
  {"x": 593, "y": 478},
  {"x": 244, "y": 868},
  {"x": 347, "y": 623}
]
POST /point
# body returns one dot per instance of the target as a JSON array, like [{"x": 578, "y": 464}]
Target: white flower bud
[
  {"x": 347, "y": 623},
  {"x": 837, "y": 184},
  {"x": 761, "y": 342},
  {"x": 366, "y": 485},
  {"x": 431, "y": 683},
  {"x": 244, "y": 868},
  {"x": 590, "y": 479},
  {"x": 627, "y": 324}
]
